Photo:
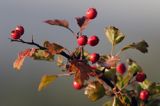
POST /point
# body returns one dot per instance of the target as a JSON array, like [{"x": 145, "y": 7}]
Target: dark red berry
[
  {"x": 121, "y": 68},
  {"x": 91, "y": 13},
  {"x": 82, "y": 40},
  {"x": 94, "y": 57},
  {"x": 20, "y": 29},
  {"x": 15, "y": 34},
  {"x": 77, "y": 85},
  {"x": 144, "y": 95},
  {"x": 140, "y": 77},
  {"x": 93, "y": 40}
]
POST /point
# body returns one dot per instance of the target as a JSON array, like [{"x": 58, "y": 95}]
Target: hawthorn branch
[{"x": 39, "y": 46}]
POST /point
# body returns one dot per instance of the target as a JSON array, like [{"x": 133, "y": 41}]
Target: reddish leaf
[
  {"x": 53, "y": 48},
  {"x": 63, "y": 23},
  {"x": 81, "y": 69},
  {"x": 21, "y": 56},
  {"x": 82, "y": 22}
]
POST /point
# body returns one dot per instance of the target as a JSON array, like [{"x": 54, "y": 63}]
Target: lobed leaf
[
  {"x": 82, "y": 22},
  {"x": 142, "y": 46},
  {"x": 46, "y": 80},
  {"x": 62, "y": 23},
  {"x": 20, "y": 59},
  {"x": 114, "y": 35},
  {"x": 53, "y": 48},
  {"x": 94, "y": 91}
]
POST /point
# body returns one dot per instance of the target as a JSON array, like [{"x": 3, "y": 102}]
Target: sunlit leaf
[
  {"x": 59, "y": 61},
  {"x": 46, "y": 80},
  {"x": 114, "y": 35},
  {"x": 63, "y": 23},
  {"x": 20, "y": 59},
  {"x": 145, "y": 84},
  {"x": 142, "y": 46},
  {"x": 82, "y": 22},
  {"x": 53, "y": 48},
  {"x": 42, "y": 55},
  {"x": 94, "y": 91}
]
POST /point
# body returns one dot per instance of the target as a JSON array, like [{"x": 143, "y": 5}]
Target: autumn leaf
[
  {"x": 59, "y": 61},
  {"x": 142, "y": 46},
  {"x": 21, "y": 56},
  {"x": 53, "y": 48},
  {"x": 82, "y": 22},
  {"x": 114, "y": 35},
  {"x": 42, "y": 55},
  {"x": 94, "y": 91},
  {"x": 46, "y": 80},
  {"x": 81, "y": 69},
  {"x": 63, "y": 23}
]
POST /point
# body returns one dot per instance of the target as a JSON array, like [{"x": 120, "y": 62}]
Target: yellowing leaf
[
  {"x": 53, "y": 48},
  {"x": 46, "y": 80},
  {"x": 63, "y": 23},
  {"x": 60, "y": 61},
  {"x": 42, "y": 55},
  {"x": 21, "y": 56},
  {"x": 114, "y": 35}
]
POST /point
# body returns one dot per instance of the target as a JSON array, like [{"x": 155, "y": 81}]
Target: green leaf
[
  {"x": 94, "y": 91},
  {"x": 42, "y": 55},
  {"x": 145, "y": 84},
  {"x": 46, "y": 80},
  {"x": 114, "y": 35},
  {"x": 142, "y": 46}
]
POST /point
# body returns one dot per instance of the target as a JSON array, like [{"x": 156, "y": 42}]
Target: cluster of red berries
[
  {"x": 17, "y": 32},
  {"x": 140, "y": 77},
  {"x": 92, "y": 41}
]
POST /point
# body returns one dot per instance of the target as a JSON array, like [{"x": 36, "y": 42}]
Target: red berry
[
  {"x": 82, "y": 40},
  {"x": 91, "y": 13},
  {"x": 94, "y": 57},
  {"x": 140, "y": 77},
  {"x": 93, "y": 40},
  {"x": 144, "y": 95},
  {"x": 20, "y": 29},
  {"x": 77, "y": 85},
  {"x": 15, "y": 34},
  {"x": 121, "y": 68}
]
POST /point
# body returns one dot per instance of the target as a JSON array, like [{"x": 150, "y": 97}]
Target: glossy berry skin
[
  {"x": 140, "y": 77},
  {"x": 77, "y": 85},
  {"x": 20, "y": 29},
  {"x": 82, "y": 40},
  {"x": 94, "y": 57},
  {"x": 91, "y": 13},
  {"x": 144, "y": 95},
  {"x": 15, "y": 34},
  {"x": 93, "y": 40},
  {"x": 121, "y": 68}
]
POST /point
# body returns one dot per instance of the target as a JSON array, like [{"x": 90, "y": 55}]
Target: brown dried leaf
[
  {"x": 63, "y": 23},
  {"x": 21, "y": 56},
  {"x": 53, "y": 48},
  {"x": 46, "y": 80},
  {"x": 81, "y": 69},
  {"x": 82, "y": 22}
]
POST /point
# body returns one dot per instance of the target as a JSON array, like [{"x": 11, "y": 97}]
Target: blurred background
[{"x": 138, "y": 19}]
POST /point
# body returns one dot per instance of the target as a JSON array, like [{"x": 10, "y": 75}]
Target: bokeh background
[{"x": 138, "y": 19}]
